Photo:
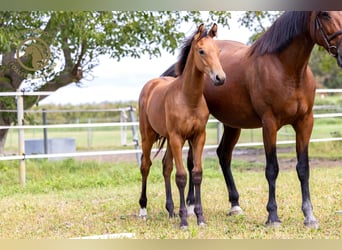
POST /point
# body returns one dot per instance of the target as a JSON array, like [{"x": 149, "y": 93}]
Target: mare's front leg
[
  {"x": 197, "y": 147},
  {"x": 269, "y": 131},
  {"x": 224, "y": 152},
  {"x": 303, "y": 130},
  {"x": 176, "y": 145},
  {"x": 167, "y": 170}
]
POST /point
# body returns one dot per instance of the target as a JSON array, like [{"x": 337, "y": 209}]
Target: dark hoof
[{"x": 172, "y": 216}]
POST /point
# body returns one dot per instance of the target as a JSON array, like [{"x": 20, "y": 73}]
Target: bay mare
[{"x": 271, "y": 85}]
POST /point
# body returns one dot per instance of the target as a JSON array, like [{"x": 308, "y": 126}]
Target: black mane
[
  {"x": 281, "y": 33},
  {"x": 178, "y": 68}
]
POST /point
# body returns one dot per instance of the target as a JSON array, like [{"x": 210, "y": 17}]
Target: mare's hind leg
[
  {"x": 224, "y": 152},
  {"x": 167, "y": 170},
  {"x": 303, "y": 132}
]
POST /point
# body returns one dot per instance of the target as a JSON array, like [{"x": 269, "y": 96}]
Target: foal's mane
[
  {"x": 177, "y": 68},
  {"x": 281, "y": 33},
  {"x": 185, "y": 51}
]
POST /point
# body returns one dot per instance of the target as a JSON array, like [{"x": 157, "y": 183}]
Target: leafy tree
[
  {"x": 325, "y": 69},
  {"x": 258, "y": 22}
]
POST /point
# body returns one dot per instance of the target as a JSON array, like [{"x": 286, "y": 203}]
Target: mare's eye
[
  {"x": 201, "y": 52},
  {"x": 325, "y": 15}
]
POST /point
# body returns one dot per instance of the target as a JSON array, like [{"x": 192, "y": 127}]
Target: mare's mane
[{"x": 281, "y": 33}]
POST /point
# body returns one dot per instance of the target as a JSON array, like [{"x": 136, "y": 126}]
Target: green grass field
[{"x": 67, "y": 199}]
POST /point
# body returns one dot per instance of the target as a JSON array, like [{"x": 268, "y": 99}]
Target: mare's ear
[
  {"x": 199, "y": 32},
  {"x": 213, "y": 30}
]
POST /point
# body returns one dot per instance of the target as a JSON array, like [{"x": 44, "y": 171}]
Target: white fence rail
[{"x": 21, "y": 152}]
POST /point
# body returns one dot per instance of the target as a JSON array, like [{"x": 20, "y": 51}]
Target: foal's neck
[{"x": 192, "y": 82}]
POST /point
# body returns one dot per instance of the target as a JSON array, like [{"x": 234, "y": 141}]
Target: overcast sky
[{"x": 122, "y": 81}]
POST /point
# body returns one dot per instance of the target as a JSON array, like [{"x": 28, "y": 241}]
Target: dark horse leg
[
  {"x": 303, "y": 130},
  {"x": 269, "y": 131},
  {"x": 197, "y": 147},
  {"x": 167, "y": 170},
  {"x": 190, "y": 199},
  {"x": 176, "y": 144},
  {"x": 224, "y": 152}
]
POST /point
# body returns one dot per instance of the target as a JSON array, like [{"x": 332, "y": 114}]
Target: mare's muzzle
[{"x": 339, "y": 53}]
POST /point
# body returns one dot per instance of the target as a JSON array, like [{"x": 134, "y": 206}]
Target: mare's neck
[
  {"x": 296, "y": 57},
  {"x": 192, "y": 82}
]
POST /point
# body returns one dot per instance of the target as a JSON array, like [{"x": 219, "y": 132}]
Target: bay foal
[{"x": 175, "y": 109}]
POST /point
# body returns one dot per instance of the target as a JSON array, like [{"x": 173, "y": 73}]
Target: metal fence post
[
  {"x": 123, "y": 129},
  {"x": 21, "y": 139},
  {"x": 219, "y": 131},
  {"x": 135, "y": 135},
  {"x": 89, "y": 138},
  {"x": 45, "y": 131}
]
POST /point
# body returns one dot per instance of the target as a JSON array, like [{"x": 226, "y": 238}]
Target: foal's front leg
[
  {"x": 176, "y": 144},
  {"x": 197, "y": 147}
]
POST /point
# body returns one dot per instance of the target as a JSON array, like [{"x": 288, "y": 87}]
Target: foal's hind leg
[
  {"x": 303, "y": 132},
  {"x": 190, "y": 199},
  {"x": 224, "y": 152},
  {"x": 148, "y": 137},
  {"x": 167, "y": 170}
]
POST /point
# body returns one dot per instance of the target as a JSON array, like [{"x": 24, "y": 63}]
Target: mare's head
[
  {"x": 205, "y": 54},
  {"x": 327, "y": 32}
]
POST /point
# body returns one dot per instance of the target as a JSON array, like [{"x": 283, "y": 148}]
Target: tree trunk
[{"x": 3, "y": 136}]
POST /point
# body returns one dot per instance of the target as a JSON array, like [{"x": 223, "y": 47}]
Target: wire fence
[{"x": 127, "y": 120}]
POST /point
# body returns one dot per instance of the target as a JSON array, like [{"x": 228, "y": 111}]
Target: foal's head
[
  {"x": 205, "y": 54},
  {"x": 328, "y": 32}
]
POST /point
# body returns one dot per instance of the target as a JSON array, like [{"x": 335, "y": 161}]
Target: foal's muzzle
[{"x": 218, "y": 79}]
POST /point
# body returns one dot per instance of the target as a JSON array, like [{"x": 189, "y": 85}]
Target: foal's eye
[
  {"x": 201, "y": 52},
  {"x": 325, "y": 15}
]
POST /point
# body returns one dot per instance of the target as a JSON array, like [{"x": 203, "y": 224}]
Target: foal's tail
[{"x": 161, "y": 141}]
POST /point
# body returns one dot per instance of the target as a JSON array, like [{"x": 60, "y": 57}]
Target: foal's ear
[
  {"x": 213, "y": 30},
  {"x": 199, "y": 32}
]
